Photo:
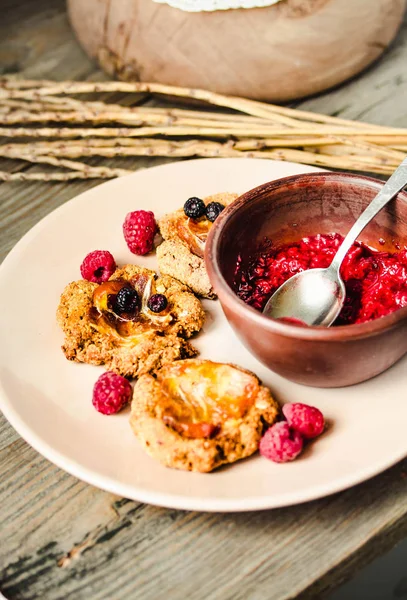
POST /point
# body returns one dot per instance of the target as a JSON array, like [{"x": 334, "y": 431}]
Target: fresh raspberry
[
  {"x": 307, "y": 420},
  {"x": 139, "y": 229},
  {"x": 98, "y": 266},
  {"x": 280, "y": 443},
  {"x": 111, "y": 393}
]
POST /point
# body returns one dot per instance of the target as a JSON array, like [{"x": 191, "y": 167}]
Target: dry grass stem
[{"x": 61, "y": 125}]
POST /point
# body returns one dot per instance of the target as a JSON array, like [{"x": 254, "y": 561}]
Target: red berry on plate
[
  {"x": 111, "y": 393},
  {"x": 307, "y": 420},
  {"x": 280, "y": 443},
  {"x": 98, "y": 266},
  {"x": 139, "y": 229}
]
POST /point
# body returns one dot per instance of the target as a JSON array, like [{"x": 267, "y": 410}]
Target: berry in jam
[{"x": 376, "y": 281}]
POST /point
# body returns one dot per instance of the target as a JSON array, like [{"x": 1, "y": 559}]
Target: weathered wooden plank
[
  {"x": 91, "y": 544},
  {"x": 61, "y": 538},
  {"x": 24, "y": 204},
  {"x": 7, "y": 434},
  {"x": 39, "y": 43}
]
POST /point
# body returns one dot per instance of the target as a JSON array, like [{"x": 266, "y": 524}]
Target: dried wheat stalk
[
  {"x": 188, "y": 127},
  {"x": 129, "y": 147},
  {"x": 202, "y": 148},
  {"x": 36, "y": 89},
  {"x": 255, "y": 129},
  {"x": 79, "y": 167},
  {"x": 32, "y": 90},
  {"x": 250, "y": 107},
  {"x": 55, "y": 176}
]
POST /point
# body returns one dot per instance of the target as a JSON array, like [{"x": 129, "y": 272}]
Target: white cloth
[{"x": 212, "y": 5}]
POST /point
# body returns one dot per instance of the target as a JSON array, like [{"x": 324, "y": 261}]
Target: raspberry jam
[{"x": 376, "y": 282}]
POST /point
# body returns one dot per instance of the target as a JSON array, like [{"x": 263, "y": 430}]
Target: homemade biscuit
[
  {"x": 94, "y": 334},
  {"x": 196, "y": 415},
  {"x": 181, "y": 253}
]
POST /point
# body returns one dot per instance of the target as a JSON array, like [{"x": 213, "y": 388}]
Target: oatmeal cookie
[
  {"x": 197, "y": 414},
  {"x": 129, "y": 344},
  {"x": 181, "y": 253}
]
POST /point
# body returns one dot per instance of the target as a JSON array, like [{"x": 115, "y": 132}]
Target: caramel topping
[
  {"x": 104, "y": 290},
  {"x": 127, "y": 329},
  {"x": 191, "y": 430},
  {"x": 201, "y": 397},
  {"x": 194, "y": 233}
]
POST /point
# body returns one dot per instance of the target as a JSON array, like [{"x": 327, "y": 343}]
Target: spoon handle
[{"x": 392, "y": 186}]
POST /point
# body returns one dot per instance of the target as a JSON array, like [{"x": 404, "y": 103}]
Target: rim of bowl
[{"x": 227, "y": 295}]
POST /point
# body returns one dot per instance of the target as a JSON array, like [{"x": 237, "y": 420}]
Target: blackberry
[
  {"x": 127, "y": 301},
  {"x": 213, "y": 211},
  {"x": 157, "y": 303},
  {"x": 194, "y": 208}
]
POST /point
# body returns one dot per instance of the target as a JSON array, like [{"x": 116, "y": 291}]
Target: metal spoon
[{"x": 316, "y": 296}]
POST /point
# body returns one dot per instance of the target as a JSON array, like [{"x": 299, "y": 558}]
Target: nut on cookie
[
  {"x": 181, "y": 253},
  {"x": 134, "y": 343},
  {"x": 196, "y": 414}
]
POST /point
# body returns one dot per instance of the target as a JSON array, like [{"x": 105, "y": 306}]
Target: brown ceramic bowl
[{"x": 285, "y": 211}]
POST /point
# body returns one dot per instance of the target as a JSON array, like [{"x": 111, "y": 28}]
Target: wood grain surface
[
  {"x": 63, "y": 539},
  {"x": 280, "y": 52}
]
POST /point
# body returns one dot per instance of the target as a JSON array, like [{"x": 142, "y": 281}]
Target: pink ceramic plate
[{"x": 48, "y": 399}]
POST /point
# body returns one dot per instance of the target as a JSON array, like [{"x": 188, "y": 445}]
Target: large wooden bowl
[{"x": 291, "y": 49}]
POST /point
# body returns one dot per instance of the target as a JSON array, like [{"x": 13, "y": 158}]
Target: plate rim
[{"x": 180, "y": 502}]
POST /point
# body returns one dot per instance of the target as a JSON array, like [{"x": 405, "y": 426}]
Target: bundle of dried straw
[{"x": 54, "y": 127}]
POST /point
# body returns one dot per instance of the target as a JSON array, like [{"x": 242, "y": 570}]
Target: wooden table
[{"x": 61, "y": 538}]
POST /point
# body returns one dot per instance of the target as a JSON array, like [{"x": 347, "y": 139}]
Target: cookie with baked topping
[
  {"x": 99, "y": 332},
  {"x": 196, "y": 414},
  {"x": 181, "y": 254}
]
